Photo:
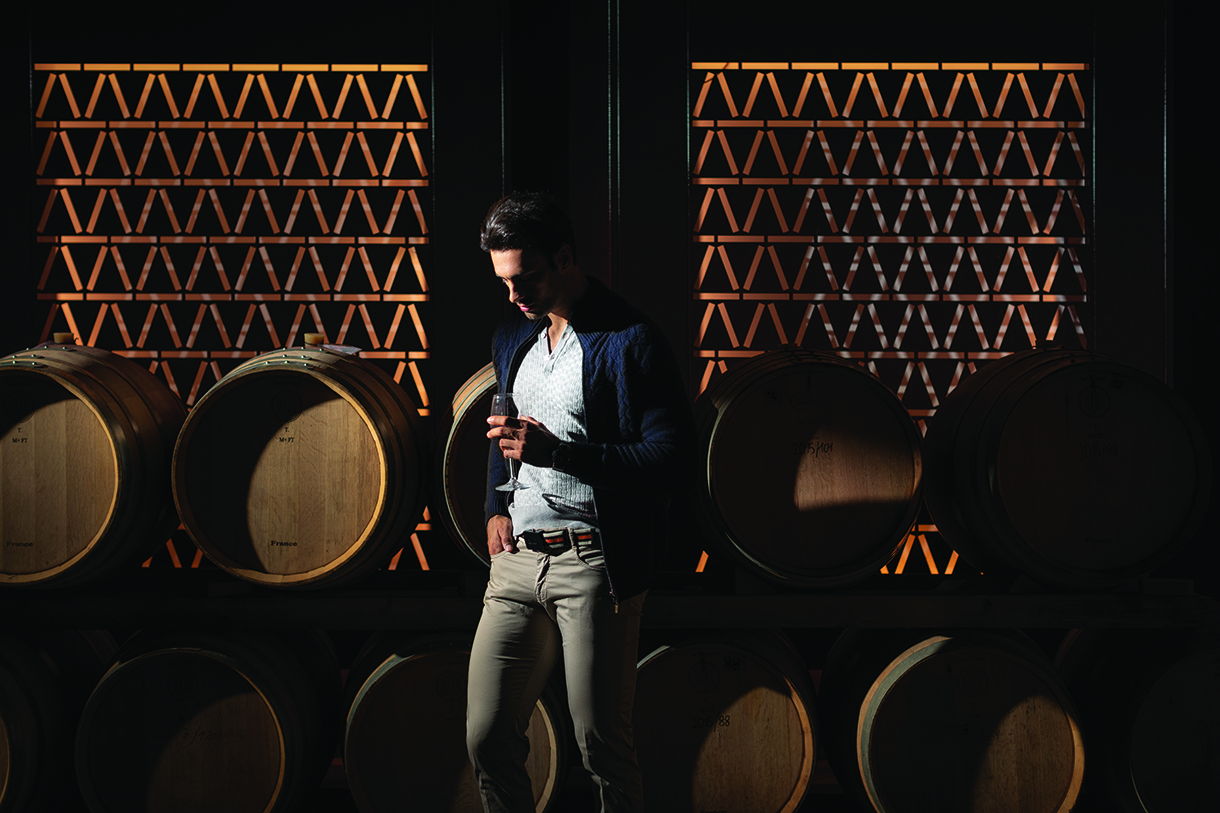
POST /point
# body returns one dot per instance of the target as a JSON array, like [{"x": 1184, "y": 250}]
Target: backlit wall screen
[
  {"x": 920, "y": 219},
  {"x": 192, "y": 216}
]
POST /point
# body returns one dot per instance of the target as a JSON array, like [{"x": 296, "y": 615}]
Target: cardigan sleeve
[{"x": 642, "y": 415}]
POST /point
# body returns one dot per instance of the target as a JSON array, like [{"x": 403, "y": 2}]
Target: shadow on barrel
[
  {"x": 725, "y": 721},
  {"x": 85, "y": 441},
  {"x": 954, "y": 721},
  {"x": 405, "y": 739},
  {"x": 301, "y": 468},
  {"x": 812, "y": 468},
  {"x": 196, "y": 723},
  {"x": 261, "y": 469}
]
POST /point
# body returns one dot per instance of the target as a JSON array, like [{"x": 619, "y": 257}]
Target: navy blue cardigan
[{"x": 639, "y": 428}]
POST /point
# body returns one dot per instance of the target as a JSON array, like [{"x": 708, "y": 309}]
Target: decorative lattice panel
[
  {"x": 195, "y": 215},
  {"x": 920, "y": 219}
]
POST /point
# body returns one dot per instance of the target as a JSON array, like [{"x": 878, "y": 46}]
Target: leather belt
[{"x": 560, "y": 540}]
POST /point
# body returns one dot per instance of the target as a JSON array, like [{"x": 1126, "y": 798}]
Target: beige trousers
[{"x": 539, "y": 607}]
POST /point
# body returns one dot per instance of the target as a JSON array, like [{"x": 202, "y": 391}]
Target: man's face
[{"x": 532, "y": 279}]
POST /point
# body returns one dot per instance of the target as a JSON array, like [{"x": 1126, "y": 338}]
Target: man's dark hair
[{"x": 532, "y": 221}]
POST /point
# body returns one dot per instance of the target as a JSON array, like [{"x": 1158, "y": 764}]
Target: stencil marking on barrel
[
  {"x": 289, "y": 474},
  {"x": 59, "y": 477}
]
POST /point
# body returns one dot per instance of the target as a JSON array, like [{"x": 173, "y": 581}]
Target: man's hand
[
  {"x": 523, "y": 439},
  {"x": 500, "y": 535}
]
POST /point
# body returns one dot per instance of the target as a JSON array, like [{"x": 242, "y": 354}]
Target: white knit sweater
[{"x": 548, "y": 388}]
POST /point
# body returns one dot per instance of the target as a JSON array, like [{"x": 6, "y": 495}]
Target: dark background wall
[{"x": 591, "y": 100}]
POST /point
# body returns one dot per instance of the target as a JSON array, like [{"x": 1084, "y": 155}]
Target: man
[{"x": 603, "y": 436}]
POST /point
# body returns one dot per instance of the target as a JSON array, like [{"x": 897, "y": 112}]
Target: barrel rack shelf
[
  {"x": 209, "y": 601},
  {"x": 452, "y": 601}
]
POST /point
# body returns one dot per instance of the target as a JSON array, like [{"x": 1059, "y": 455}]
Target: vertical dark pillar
[
  {"x": 471, "y": 172},
  {"x": 651, "y": 127},
  {"x": 537, "y": 108},
  {"x": 18, "y": 277},
  {"x": 1132, "y": 297},
  {"x": 591, "y": 137}
]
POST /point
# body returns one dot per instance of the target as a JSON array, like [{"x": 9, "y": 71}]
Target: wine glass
[{"x": 502, "y": 404}]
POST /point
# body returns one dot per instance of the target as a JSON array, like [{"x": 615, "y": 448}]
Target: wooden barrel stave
[
  {"x": 1067, "y": 466},
  {"x": 301, "y": 468},
  {"x": 463, "y": 475},
  {"x": 195, "y": 723},
  {"x": 85, "y": 444},
  {"x": 45, "y": 679},
  {"x": 725, "y": 721},
  {"x": 405, "y": 742},
  {"x": 951, "y": 721},
  {"x": 35, "y": 729},
  {"x": 1149, "y": 709},
  {"x": 812, "y": 468}
]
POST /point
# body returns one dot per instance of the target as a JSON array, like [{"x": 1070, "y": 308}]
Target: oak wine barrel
[
  {"x": 812, "y": 468},
  {"x": 45, "y": 679},
  {"x": 958, "y": 722},
  {"x": 1070, "y": 467},
  {"x": 199, "y": 722},
  {"x": 463, "y": 476},
  {"x": 725, "y": 721},
  {"x": 405, "y": 743},
  {"x": 301, "y": 468},
  {"x": 1150, "y": 712},
  {"x": 85, "y": 444}
]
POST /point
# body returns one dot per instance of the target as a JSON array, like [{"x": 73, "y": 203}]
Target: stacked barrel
[
  {"x": 301, "y": 468},
  {"x": 87, "y": 438},
  {"x": 307, "y": 468},
  {"x": 1067, "y": 467}
]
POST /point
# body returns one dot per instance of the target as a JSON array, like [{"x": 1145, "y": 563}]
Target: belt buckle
[{"x": 549, "y": 542}]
